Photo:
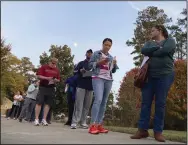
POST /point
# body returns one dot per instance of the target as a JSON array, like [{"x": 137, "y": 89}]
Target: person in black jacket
[
  {"x": 71, "y": 84},
  {"x": 84, "y": 92}
]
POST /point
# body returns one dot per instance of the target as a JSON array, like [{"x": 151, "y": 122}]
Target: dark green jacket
[{"x": 161, "y": 57}]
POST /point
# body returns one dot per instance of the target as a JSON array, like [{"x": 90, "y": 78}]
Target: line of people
[
  {"x": 91, "y": 76},
  {"x": 16, "y": 105},
  {"x": 94, "y": 76},
  {"x": 160, "y": 76},
  {"x": 23, "y": 106}
]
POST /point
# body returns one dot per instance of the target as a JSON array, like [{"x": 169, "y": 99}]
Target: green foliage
[
  {"x": 176, "y": 114},
  {"x": 109, "y": 114},
  {"x": 128, "y": 100},
  {"x": 144, "y": 22},
  {"x": 179, "y": 32},
  {"x": 12, "y": 78}
]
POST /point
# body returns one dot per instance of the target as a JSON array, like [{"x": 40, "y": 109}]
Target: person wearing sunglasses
[{"x": 49, "y": 75}]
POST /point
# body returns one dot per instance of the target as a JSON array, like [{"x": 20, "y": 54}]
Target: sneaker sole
[
  {"x": 84, "y": 127},
  {"x": 103, "y": 132},
  {"x": 94, "y": 133}
]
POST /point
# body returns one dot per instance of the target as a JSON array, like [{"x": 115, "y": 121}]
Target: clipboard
[{"x": 87, "y": 74}]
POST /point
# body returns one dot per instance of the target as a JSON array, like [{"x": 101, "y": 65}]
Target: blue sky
[{"x": 31, "y": 27}]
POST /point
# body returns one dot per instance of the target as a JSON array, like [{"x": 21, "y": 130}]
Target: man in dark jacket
[
  {"x": 84, "y": 92},
  {"x": 71, "y": 84}
]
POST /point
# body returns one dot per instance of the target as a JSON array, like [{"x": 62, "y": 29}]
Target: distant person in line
[
  {"x": 71, "y": 84},
  {"x": 30, "y": 101},
  {"x": 84, "y": 93},
  {"x": 21, "y": 104},
  {"x": 49, "y": 75},
  {"x": 160, "y": 79},
  {"x": 15, "y": 105},
  {"x": 103, "y": 65}
]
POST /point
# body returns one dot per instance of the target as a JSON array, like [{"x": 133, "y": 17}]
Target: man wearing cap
[
  {"x": 49, "y": 75},
  {"x": 84, "y": 92}
]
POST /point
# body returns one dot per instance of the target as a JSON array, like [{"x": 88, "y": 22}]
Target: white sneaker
[
  {"x": 44, "y": 122},
  {"x": 36, "y": 122},
  {"x": 84, "y": 126},
  {"x": 73, "y": 126},
  {"x": 8, "y": 118}
]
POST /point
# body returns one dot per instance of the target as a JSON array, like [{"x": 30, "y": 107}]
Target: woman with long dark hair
[
  {"x": 102, "y": 65},
  {"x": 160, "y": 51}
]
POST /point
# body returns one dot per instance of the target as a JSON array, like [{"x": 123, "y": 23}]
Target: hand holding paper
[{"x": 114, "y": 60}]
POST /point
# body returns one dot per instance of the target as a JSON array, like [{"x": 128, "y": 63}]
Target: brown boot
[
  {"x": 159, "y": 137},
  {"x": 140, "y": 134}
]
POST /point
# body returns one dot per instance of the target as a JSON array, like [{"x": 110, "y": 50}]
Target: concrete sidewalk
[{"x": 14, "y": 132}]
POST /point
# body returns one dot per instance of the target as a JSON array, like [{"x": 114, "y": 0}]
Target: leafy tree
[
  {"x": 146, "y": 19},
  {"x": 179, "y": 32},
  {"x": 109, "y": 106},
  {"x": 176, "y": 115},
  {"x": 110, "y": 101},
  {"x": 5, "y": 52},
  {"x": 12, "y": 79},
  {"x": 44, "y": 58},
  {"x": 128, "y": 100},
  {"x": 26, "y": 68}
]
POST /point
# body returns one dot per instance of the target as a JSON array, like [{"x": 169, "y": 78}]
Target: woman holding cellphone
[{"x": 102, "y": 65}]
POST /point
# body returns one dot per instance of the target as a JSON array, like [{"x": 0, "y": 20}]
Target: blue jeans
[
  {"x": 159, "y": 88},
  {"x": 101, "y": 88}
]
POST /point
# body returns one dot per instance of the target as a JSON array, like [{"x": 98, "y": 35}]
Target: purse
[{"x": 141, "y": 77}]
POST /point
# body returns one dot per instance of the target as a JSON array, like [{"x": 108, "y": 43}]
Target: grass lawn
[{"x": 179, "y": 136}]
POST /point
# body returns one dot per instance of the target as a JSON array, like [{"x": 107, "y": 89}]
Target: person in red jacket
[{"x": 49, "y": 75}]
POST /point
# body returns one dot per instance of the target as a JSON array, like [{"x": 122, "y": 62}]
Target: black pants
[
  {"x": 71, "y": 102},
  {"x": 14, "y": 110},
  {"x": 20, "y": 109}
]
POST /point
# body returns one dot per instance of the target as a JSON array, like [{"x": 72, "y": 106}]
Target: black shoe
[
  {"x": 68, "y": 123},
  {"x": 49, "y": 122},
  {"x": 20, "y": 120},
  {"x": 26, "y": 120}
]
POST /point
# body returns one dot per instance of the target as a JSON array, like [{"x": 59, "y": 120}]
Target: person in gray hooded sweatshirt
[{"x": 30, "y": 101}]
